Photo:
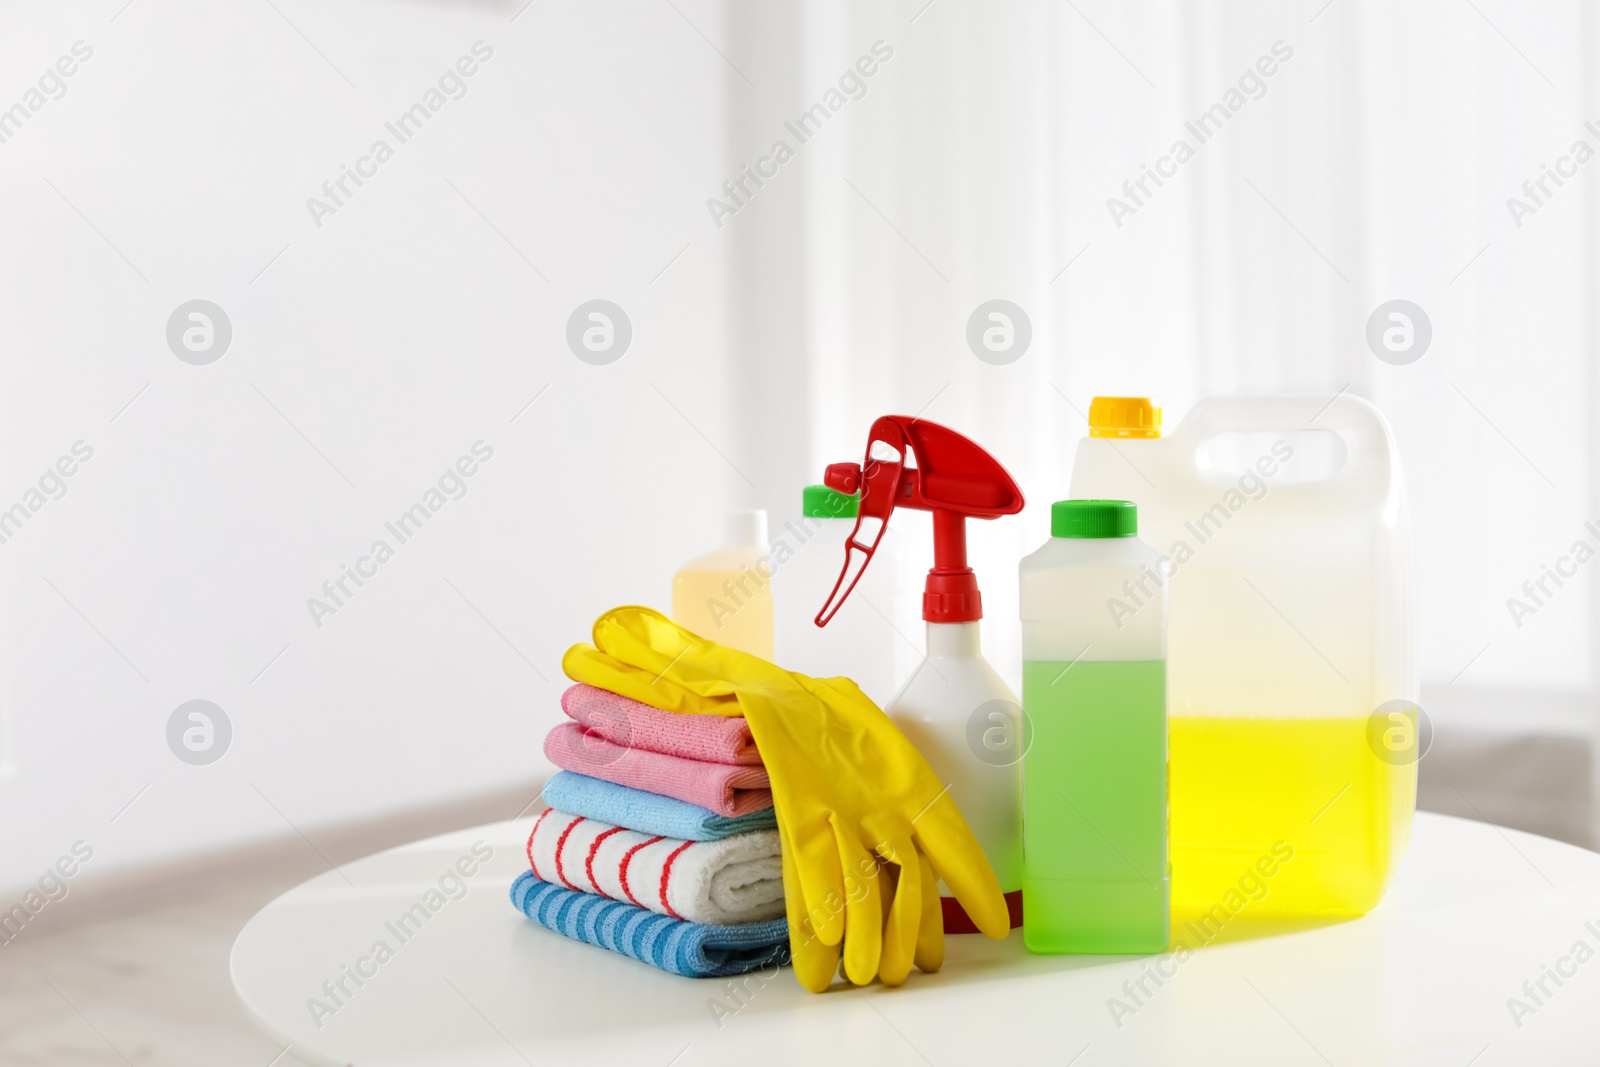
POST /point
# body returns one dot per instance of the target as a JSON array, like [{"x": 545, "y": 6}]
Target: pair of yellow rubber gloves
[{"x": 867, "y": 829}]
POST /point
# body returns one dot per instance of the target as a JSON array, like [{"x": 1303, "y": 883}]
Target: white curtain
[{"x": 1374, "y": 163}]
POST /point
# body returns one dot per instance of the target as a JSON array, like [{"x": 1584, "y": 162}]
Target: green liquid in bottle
[{"x": 1094, "y": 839}]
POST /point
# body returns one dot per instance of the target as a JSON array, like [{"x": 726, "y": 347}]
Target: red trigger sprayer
[{"x": 963, "y": 718}]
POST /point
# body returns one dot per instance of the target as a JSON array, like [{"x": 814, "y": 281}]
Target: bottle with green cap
[
  {"x": 1094, "y": 697},
  {"x": 860, "y": 643}
]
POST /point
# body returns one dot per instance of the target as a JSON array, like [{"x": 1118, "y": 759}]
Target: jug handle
[{"x": 1370, "y": 449}]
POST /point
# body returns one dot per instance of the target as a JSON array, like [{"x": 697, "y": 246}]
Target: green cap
[
  {"x": 820, "y": 502},
  {"x": 1094, "y": 518}
]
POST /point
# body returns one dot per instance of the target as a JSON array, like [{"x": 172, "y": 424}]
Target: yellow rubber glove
[{"x": 852, "y": 795}]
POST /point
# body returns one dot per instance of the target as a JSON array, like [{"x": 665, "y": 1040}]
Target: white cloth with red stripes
[{"x": 734, "y": 880}]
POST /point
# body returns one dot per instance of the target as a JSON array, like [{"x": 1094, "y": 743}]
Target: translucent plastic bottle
[
  {"x": 860, "y": 643},
  {"x": 726, "y": 595},
  {"x": 1094, "y": 693},
  {"x": 1292, "y": 671},
  {"x": 965, "y": 720}
]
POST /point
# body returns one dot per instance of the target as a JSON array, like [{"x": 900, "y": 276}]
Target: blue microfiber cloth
[
  {"x": 690, "y": 949},
  {"x": 649, "y": 813}
]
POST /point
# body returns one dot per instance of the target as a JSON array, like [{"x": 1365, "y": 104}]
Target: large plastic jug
[{"x": 1291, "y": 658}]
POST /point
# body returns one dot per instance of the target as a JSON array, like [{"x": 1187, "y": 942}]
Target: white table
[{"x": 1424, "y": 979}]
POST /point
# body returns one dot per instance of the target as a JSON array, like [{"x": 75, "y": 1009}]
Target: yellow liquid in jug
[{"x": 1245, "y": 792}]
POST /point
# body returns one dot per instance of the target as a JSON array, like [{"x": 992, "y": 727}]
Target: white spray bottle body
[{"x": 967, "y": 723}]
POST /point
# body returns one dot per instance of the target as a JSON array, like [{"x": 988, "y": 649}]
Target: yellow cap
[{"x": 1124, "y": 416}]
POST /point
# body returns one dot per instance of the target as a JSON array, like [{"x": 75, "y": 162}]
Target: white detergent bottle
[
  {"x": 1095, "y": 774},
  {"x": 956, "y": 709},
  {"x": 861, "y": 643}
]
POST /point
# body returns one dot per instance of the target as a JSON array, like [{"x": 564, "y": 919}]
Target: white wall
[{"x": 365, "y": 359}]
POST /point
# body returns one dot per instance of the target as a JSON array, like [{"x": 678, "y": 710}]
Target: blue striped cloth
[
  {"x": 648, "y": 813},
  {"x": 694, "y": 950}
]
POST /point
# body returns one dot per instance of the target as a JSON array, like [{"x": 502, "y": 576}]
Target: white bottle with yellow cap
[{"x": 1284, "y": 547}]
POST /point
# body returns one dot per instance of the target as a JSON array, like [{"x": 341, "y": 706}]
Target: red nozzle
[
  {"x": 951, "y": 477},
  {"x": 843, "y": 478}
]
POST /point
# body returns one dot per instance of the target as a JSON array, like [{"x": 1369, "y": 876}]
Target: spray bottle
[{"x": 955, "y": 708}]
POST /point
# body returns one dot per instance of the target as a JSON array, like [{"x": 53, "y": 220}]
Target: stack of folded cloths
[{"x": 660, "y": 841}]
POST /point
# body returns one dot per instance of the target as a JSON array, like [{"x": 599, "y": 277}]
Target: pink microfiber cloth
[
  {"x": 626, "y": 722},
  {"x": 722, "y": 787},
  {"x": 724, "y": 883}
]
